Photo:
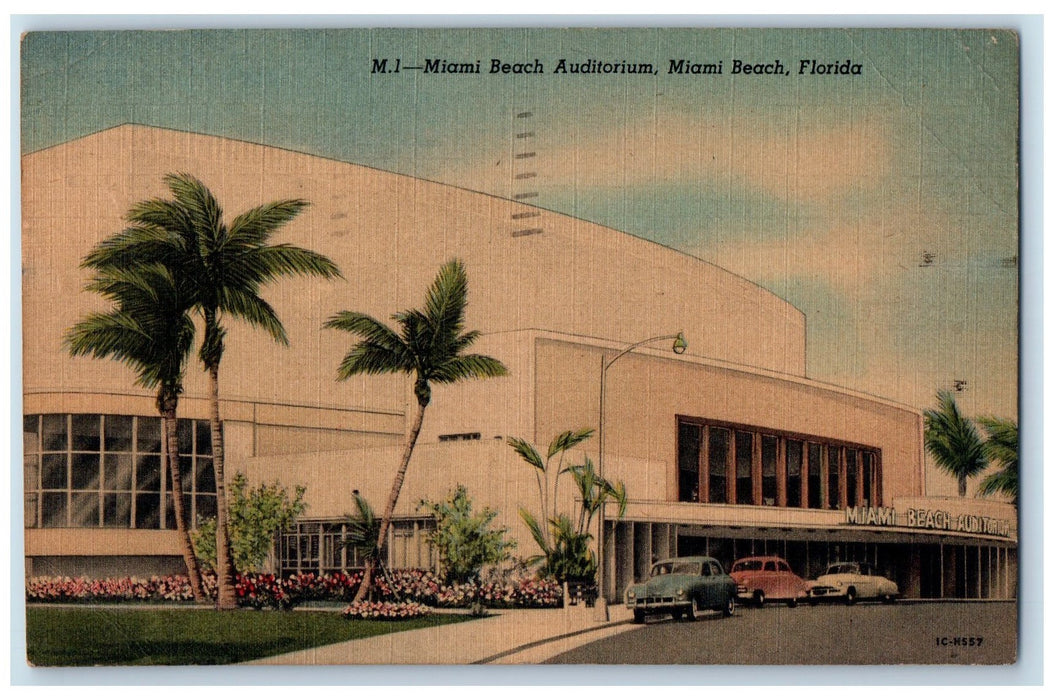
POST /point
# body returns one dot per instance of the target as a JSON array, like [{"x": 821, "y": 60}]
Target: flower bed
[
  {"x": 268, "y": 591},
  {"x": 371, "y": 610}
]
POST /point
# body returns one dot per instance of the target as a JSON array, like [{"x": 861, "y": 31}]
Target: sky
[{"x": 883, "y": 205}]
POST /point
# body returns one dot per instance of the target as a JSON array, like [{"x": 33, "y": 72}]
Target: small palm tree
[
  {"x": 953, "y": 441},
  {"x": 430, "y": 347},
  {"x": 363, "y": 530},
  {"x": 1001, "y": 449},
  {"x": 149, "y": 328},
  {"x": 223, "y": 266}
]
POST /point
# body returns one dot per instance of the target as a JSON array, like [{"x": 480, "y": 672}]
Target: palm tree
[
  {"x": 953, "y": 441},
  {"x": 430, "y": 347},
  {"x": 149, "y": 329},
  {"x": 224, "y": 266},
  {"x": 363, "y": 529},
  {"x": 1001, "y": 449}
]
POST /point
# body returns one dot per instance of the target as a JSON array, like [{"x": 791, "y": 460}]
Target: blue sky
[{"x": 827, "y": 190}]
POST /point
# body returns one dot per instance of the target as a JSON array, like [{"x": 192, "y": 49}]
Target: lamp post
[{"x": 679, "y": 346}]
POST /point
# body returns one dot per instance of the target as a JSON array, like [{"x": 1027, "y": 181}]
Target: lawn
[{"x": 125, "y": 636}]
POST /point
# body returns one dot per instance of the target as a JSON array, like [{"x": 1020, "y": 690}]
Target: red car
[{"x": 767, "y": 578}]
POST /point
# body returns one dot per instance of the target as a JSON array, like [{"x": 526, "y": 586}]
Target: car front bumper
[
  {"x": 826, "y": 592},
  {"x": 657, "y": 603}
]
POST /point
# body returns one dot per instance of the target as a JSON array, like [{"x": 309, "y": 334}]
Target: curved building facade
[{"x": 728, "y": 448}]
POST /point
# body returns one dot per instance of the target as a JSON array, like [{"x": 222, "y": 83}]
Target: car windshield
[
  {"x": 749, "y": 565},
  {"x": 843, "y": 569},
  {"x": 675, "y": 567}
]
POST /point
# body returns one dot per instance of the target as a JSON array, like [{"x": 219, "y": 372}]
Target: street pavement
[
  {"x": 504, "y": 637},
  {"x": 906, "y": 633}
]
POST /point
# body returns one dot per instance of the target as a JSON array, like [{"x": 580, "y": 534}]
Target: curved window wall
[{"x": 92, "y": 470}]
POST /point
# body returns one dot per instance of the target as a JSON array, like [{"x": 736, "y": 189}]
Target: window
[
  {"x": 744, "y": 467},
  {"x": 794, "y": 464},
  {"x": 750, "y": 466},
  {"x": 850, "y": 477},
  {"x": 719, "y": 449},
  {"x": 92, "y": 470},
  {"x": 688, "y": 462},
  {"x": 833, "y": 458},
  {"x": 769, "y": 448}
]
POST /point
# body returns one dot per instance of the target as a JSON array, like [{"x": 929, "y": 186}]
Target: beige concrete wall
[{"x": 389, "y": 234}]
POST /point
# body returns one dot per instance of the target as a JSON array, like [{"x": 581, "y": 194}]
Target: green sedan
[{"x": 683, "y": 586}]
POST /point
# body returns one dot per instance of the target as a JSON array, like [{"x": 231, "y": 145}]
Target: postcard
[{"x": 520, "y": 346}]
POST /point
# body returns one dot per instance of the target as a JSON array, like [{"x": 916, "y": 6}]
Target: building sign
[{"x": 929, "y": 519}]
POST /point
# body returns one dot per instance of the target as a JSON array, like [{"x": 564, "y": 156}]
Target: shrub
[
  {"x": 465, "y": 541},
  {"x": 370, "y": 610},
  {"x": 255, "y": 515}
]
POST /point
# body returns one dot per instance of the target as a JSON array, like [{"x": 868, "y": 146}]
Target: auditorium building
[{"x": 727, "y": 449}]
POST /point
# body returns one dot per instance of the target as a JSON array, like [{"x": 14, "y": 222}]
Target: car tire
[
  {"x": 813, "y": 602},
  {"x": 792, "y": 603},
  {"x": 730, "y": 607},
  {"x": 759, "y": 599},
  {"x": 678, "y": 614},
  {"x": 694, "y": 611},
  {"x": 889, "y": 599},
  {"x": 638, "y": 617},
  {"x": 850, "y": 597}
]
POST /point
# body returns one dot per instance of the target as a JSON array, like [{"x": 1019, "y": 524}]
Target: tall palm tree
[
  {"x": 953, "y": 441},
  {"x": 430, "y": 346},
  {"x": 1000, "y": 448},
  {"x": 149, "y": 328},
  {"x": 224, "y": 266}
]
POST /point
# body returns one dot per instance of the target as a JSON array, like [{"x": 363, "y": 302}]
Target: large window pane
[
  {"x": 206, "y": 508},
  {"x": 53, "y": 509},
  {"x": 186, "y": 473},
  {"x": 117, "y": 509},
  {"x": 118, "y": 431},
  {"x": 54, "y": 433},
  {"x": 31, "y": 473},
  {"x": 203, "y": 445},
  {"x": 769, "y": 444},
  {"x": 117, "y": 472},
  {"x": 205, "y": 475},
  {"x": 185, "y": 436},
  {"x": 688, "y": 461},
  {"x": 794, "y": 468},
  {"x": 86, "y": 432},
  {"x": 148, "y": 473},
  {"x": 30, "y": 434},
  {"x": 54, "y": 472},
  {"x": 149, "y": 434},
  {"x": 850, "y": 477},
  {"x": 148, "y": 511},
  {"x": 869, "y": 466},
  {"x": 744, "y": 462},
  {"x": 833, "y": 493},
  {"x": 29, "y": 509},
  {"x": 815, "y": 476},
  {"x": 719, "y": 449},
  {"x": 85, "y": 471},
  {"x": 85, "y": 509}
]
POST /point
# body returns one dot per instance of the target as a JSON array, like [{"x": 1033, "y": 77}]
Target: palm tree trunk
[
  {"x": 225, "y": 595},
  {"x": 168, "y": 423},
  {"x": 393, "y": 497},
  {"x": 962, "y": 487}
]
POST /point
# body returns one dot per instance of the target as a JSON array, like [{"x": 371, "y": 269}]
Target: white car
[{"x": 851, "y": 581}]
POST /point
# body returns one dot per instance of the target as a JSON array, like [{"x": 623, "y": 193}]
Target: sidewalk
[{"x": 506, "y": 637}]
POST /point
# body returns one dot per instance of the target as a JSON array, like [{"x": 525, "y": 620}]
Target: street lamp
[{"x": 679, "y": 346}]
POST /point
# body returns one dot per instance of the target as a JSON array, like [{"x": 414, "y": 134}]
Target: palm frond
[
  {"x": 254, "y": 227},
  {"x": 953, "y": 440},
  {"x": 537, "y": 534},
  {"x": 369, "y": 358},
  {"x": 447, "y": 299},
  {"x": 467, "y": 367},
  {"x": 252, "y": 267},
  {"x": 527, "y": 452},
  {"x": 253, "y": 309},
  {"x": 568, "y": 439},
  {"x": 199, "y": 204}
]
